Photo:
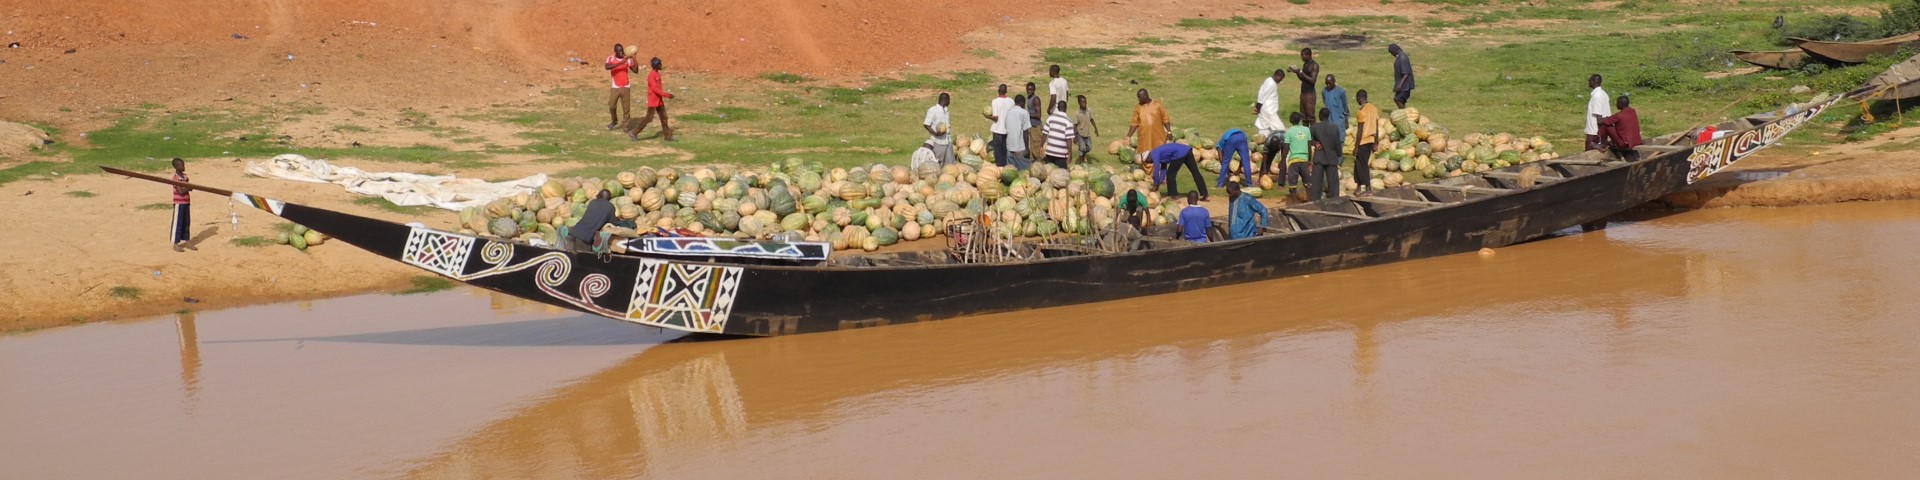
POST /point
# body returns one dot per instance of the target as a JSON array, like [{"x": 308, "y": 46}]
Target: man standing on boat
[
  {"x": 939, "y": 140},
  {"x": 1194, "y": 220},
  {"x": 1621, "y": 131},
  {"x": 1299, "y": 141},
  {"x": 996, "y": 111},
  {"x": 1014, "y": 122},
  {"x": 1231, "y": 144},
  {"x": 1034, "y": 134},
  {"x": 1327, "y": 145},
  {"x": 1241, "y": 209},
  {"x": 1596, "y": 110},
  {"x": 1364, "y": 141},
  {"x": 585, "y": 235},
  {"x": 1060, "y": 136},
  {"x": 1167, "y": 160}
]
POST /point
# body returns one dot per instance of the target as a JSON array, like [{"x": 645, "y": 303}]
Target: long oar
[{"x": 168, "y": 181}]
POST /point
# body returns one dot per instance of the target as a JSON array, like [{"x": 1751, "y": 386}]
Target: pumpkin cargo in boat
[{"x": 765, "y": 288}]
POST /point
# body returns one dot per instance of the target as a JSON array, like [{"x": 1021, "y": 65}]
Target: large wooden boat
[
  {"x": 1778, "y": 59},
  {"x": 1857, "y": 52},
  {"x": 756, "y": 294}
]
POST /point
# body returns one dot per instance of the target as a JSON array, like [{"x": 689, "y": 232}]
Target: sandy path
[{"x": 84, "y": 247}]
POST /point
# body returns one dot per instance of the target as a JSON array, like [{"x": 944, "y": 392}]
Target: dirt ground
[{"x": 81, "y": 60}]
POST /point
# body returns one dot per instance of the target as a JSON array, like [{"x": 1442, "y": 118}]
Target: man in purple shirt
[
  {"x": 1194, "y": 220},
  {"x": 1167, "y": 160}
]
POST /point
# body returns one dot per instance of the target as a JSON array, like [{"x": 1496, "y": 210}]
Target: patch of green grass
[
  {"x": 1156, "y": 41},
  {"x": 1299, "y": 2},
  {"x": 81, "y": 194},
  {"x": 250, "y": 241},
  {"x": 982, "y": 53},
  {"x": 722, "y": 115},
  {"x": 350, "y": 128},
  {"x": 124, "y": 292},
  {"x": 1081, "y": 56},
  {"x": 155, "y": 206},
  {"x": 383, "y": 204},
  {"x": 427, "y": 284},
  {"x": 1350, "y": 20},
  {"x": 1230, "y": 22},
  {"x": 145, "y": 140},
  {"x": 783, "y": 77}
]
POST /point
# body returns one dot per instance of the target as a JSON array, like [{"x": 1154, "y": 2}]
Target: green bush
[
  {"x": 1665, "y": 79},
  {"x": 1900, "y": 17},
  {"x": 1844, "y": 28}
]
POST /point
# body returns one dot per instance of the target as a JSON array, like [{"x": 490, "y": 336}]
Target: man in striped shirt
[{"x": 1061, "y": 133}]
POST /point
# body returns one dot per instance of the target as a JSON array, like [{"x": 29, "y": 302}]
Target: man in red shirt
[
  {"x": 1621, "y": 132},
  {"x": 656, "y": 105},
  {"x": 620, "y": 102}
]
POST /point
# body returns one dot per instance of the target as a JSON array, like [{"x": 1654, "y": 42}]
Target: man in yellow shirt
[
  {"x": 1366, "y": 139},
  {"x": 1150, "y": 122}
]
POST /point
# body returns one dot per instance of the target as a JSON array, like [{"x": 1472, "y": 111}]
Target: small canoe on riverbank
[
  {"x": 1776, "y": 59},
  {"x": 1858, "y": 52}
]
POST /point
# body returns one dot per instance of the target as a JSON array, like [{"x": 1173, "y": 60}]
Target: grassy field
[{"x": 1484, "y": 65}]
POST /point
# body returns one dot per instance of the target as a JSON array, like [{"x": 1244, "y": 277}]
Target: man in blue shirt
[
  {"x": 1241, "y": 209},
  {"x": 1234, "y": 142},
  {"x": 1194, "y": 220},
  {"x": 1335, "y": 99},
  {"x": 1167, "y": 160}
]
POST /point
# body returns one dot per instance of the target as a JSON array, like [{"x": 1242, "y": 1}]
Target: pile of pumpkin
[
  {"x": 1417, "y": 149},
  {"x": 864, "y": 207}
]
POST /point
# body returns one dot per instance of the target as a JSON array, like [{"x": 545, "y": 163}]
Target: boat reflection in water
[{"x": 680, "y": 408}]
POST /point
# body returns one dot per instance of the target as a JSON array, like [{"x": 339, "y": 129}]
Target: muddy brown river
[{"x": 1738, "y": 343}]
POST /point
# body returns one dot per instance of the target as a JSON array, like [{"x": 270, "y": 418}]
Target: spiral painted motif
[
  {"x": 595, "y": 285},
  {"x": 554, "y": 270},
  {"x": 495, "y": 253}
]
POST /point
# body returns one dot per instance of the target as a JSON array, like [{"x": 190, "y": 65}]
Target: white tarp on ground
[{"x": 407, "y": 189}]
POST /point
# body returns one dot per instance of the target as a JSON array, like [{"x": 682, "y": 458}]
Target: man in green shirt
[{"x": 1298, "y": 136}]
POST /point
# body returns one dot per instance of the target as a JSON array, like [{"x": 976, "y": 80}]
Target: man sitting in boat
[
  {"x": 1241, "y": 210},
  {"x": 1194, "y": 220},
  {"x": 1133, "y": 206},
  {"x": 585, "y": 236},
  {"x": 1621, "y": 131}
]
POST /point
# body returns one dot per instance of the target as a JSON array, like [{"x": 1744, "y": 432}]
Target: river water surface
[{"x": 1738, "y": 343}]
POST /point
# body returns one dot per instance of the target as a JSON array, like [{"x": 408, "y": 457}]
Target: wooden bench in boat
[{"x": 1542, "y": 178}]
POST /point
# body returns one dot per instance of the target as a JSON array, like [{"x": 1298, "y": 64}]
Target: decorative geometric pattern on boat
[
  {"x": 263, "y": 203},
  {"x": 1713, "y": 156},
  {"x": 439, "y": 252},
  {"x": 687, "y": 297},
  {"x": 727, "y": 247}
]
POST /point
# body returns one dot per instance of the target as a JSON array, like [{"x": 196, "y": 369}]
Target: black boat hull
[{"x": 762, "y": 300}]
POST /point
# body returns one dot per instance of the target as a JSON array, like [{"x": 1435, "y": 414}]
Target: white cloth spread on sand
[{"x": 405, "y": 189}]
